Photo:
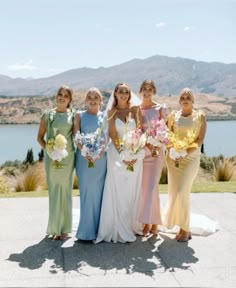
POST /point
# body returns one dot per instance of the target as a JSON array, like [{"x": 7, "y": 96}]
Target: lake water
[{"x": 15, "y": 140}]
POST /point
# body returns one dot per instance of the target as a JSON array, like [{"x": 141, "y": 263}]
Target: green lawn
[{"x": 207, "y": 187}]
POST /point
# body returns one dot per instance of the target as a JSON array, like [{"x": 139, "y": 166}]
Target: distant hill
[
  {"x": 170, "y": 74},
  {"x": 16, "y": 110}
]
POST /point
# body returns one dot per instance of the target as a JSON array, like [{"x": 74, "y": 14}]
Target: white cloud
[
  {"x": 161, "y": 24},
  {"x": 24, "y": 65},
  {"x": 189, "y": 28}
]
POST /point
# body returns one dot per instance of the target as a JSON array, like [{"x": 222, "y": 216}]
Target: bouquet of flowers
[
  {"x": 157, "y": 134},
  {"x": 56, "y": 149},
  {"x": 178, "y": 146},
  {"x": 131, "y": 146},
  {"x": 93, "y": 144}
]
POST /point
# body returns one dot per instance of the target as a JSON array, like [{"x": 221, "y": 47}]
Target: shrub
[
  {"x": 3, "y": 184},
  {"x": 33, "y": 179},
  {"x": 206, "y": 163},
  {"x": 224, "y": 169}
]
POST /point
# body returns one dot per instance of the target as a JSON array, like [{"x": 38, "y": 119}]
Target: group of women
[{"x": 117, "y": 204}]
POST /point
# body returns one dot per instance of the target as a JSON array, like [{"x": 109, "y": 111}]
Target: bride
[{"x": 122, "y": 187}]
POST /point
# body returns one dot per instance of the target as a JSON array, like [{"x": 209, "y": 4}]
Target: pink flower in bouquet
[
  {"x": 157, "y": 133},
  {"x": 132, "y": 145}
]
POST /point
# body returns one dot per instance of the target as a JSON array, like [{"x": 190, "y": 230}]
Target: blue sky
[{"x": 40, "y": 38}]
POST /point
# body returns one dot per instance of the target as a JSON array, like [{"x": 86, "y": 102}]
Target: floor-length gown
[
  {"x": 149, "y": 207},
  {"x": 60, "y": 180},
  {"x": 180, "y": 179},
  {"x": 91, "y": 182},
  {"x": 121, "y": 194}
]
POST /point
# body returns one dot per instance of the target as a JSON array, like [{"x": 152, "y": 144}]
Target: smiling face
[
  {"x": 122, "y": 94},
  {"x": 147, "y": 91},
  {"x": 93, "y": 99},
  {"x": 64, "y": 97}
]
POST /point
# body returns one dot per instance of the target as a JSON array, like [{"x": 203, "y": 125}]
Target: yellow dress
[{"x": 180, "y": 179}]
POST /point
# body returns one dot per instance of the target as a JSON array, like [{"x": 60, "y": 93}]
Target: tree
[
  {"x": 29, "y": 159},
  {"x": 41, "y": 155}
]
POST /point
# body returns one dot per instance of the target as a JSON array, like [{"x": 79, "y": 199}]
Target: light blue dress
[{"x": 91, "y": 182}]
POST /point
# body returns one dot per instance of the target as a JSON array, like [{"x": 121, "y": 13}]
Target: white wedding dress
[{"x": 120, "y": 196}]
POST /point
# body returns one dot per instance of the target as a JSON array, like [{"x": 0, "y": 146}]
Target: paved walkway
[{"x": 28, "y": 259}]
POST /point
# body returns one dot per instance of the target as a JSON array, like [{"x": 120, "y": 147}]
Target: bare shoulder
[
  {"x": 111, "y": 113},
  {"x": 134, "y": 108}
]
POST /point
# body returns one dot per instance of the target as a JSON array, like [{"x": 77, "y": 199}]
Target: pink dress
[{"x": 149, "y": 207}]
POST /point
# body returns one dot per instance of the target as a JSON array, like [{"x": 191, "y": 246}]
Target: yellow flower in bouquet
[
  {"x": 50, "y": 144},
  {"x": 177, "y": 147}
]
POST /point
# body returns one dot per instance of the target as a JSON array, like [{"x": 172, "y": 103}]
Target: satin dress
[
  {"x": 60, "y": 180},
  {"x": 180, "y": 179},
  {"x": 149, "y": 207},
  {"x": 91, "y": 182},
  {"x": 118, "y": 219}
]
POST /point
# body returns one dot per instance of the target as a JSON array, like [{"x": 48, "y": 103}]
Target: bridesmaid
[
  {"x": 59, "y": 119},
  {"x": 180, "y": 179},
  {"x": 149, "y": 207},
  {"x": 91, "y": 180}
]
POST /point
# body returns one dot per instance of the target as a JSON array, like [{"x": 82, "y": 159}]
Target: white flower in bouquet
[
  {"x": 131, "y": 146},
  {"x": 56, "y": 148},
  {"x": 93, "y": 144}
]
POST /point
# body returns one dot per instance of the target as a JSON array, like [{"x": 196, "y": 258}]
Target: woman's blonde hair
[
  {"x": 94, "y": 90},
  {"x": 187, "y": 91}
]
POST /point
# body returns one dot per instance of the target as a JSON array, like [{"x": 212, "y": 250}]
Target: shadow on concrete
[
  {"x": 145, "y": 256},
  {"x": 176, "y": 254},
  {"x": 35, "y": 256}
]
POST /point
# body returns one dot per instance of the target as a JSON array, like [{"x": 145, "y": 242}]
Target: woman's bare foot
[
  {"x": 146, "y": 229},
  {"x": 154, "y": 229},
  {"x": 64, "y": 236},
  {"x": 179, "y": 234},
  {"x": 185, "y": 236},
  {"x": 56, "y": 237}
]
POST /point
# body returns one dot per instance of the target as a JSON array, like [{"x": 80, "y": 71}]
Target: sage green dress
[{"x": 60, "y": 180}]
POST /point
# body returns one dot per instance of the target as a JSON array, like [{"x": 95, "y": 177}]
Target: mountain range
[{"x": 170, "y": 74}]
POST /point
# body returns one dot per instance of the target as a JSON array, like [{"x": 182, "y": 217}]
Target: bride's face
[{"x": 123, "y": 94}]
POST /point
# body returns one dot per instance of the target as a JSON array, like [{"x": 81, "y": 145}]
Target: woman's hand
[
  {"x": 155, "y": 151},
  {"x": 89, "y": 159},
  {"x": 130, "y": 163}
]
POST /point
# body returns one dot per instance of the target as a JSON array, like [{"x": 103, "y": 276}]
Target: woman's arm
[
  {"x": 41, "y": 132},
  {"x": 112, "y": 129},
  {"x": 202, "y": 131},
  {"x": 76, "y": 127},
  {"x": 137, "y": 116},
  {"x": 201, "y": 135}
]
